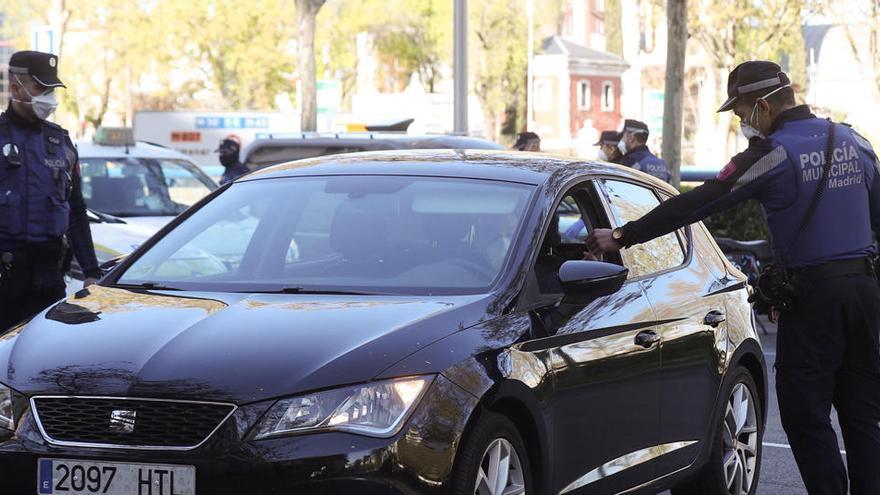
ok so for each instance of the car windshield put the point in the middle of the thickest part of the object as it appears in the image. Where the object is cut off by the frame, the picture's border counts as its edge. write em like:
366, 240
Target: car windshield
127, 187
386, 234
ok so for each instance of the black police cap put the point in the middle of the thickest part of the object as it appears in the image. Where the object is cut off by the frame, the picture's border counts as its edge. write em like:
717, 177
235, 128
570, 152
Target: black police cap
608, 137
228, 145
43, 67
751, 77
631, 125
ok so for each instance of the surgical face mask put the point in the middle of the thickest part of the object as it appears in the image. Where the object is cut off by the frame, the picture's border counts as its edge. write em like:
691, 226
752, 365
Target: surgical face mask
622, 146
602, 155
43, 105
748, 131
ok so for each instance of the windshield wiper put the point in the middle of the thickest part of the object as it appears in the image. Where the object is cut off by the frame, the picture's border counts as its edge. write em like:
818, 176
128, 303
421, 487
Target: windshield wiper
330, 292
145, 285
105, 217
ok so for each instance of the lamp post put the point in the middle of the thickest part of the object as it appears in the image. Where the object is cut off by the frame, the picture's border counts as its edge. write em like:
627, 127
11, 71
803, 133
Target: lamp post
460, 67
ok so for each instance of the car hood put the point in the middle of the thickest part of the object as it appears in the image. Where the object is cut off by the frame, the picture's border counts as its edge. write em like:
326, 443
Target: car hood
235, 347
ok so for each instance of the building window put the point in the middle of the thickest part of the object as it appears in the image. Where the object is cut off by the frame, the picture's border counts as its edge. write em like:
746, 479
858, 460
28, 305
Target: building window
607, 96
543, 96
584, 96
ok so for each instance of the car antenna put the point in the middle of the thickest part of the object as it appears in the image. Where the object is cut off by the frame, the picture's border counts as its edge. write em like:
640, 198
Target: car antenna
125, 124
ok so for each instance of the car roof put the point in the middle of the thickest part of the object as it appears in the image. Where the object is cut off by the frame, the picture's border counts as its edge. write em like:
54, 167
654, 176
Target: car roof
266, 150
511, 166
88, 149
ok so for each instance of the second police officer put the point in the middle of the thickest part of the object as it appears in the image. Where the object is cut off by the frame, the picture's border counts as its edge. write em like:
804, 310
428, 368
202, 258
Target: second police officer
608, 150
41, 202
821, 216
633, 146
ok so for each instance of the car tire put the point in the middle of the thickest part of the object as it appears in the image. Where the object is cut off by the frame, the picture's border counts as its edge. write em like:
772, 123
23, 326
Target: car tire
493, 442
733, 468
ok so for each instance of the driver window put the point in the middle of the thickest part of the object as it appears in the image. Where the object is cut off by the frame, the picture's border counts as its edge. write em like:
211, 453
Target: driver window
563, 241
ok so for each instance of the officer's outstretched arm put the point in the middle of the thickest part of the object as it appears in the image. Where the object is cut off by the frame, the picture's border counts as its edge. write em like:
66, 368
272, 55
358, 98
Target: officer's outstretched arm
743, 178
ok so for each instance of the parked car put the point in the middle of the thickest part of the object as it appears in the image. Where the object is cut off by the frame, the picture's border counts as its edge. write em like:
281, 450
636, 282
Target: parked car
431, 333
132, 189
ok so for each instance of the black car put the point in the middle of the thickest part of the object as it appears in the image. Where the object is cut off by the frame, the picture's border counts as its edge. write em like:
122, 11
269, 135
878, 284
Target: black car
395, 322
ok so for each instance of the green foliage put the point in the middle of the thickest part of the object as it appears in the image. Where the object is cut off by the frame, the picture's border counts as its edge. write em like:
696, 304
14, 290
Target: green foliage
744, 222
613, 28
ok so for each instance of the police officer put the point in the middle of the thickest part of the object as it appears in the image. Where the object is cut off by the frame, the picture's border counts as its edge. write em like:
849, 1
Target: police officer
527, 141
827, 344
636, 153
230, 151
41, 204
608, 150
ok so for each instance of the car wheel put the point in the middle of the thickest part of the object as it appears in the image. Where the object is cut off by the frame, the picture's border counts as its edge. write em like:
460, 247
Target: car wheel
492, 460
735, 462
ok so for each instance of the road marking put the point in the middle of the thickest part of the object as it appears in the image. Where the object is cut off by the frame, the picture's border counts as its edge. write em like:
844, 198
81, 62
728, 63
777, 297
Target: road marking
786, 446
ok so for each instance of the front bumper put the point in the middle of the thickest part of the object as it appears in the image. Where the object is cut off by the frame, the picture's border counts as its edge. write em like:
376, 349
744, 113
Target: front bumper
418, 460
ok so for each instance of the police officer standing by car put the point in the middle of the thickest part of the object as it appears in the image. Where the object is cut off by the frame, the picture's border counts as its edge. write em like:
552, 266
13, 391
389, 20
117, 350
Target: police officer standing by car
819, 184
633, 146
608, 150
42, 211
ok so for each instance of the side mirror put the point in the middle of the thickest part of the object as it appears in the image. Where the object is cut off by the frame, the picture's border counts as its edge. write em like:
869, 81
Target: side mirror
585, 281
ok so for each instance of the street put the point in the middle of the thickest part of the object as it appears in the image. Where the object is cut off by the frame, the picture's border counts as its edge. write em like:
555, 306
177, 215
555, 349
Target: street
779, 474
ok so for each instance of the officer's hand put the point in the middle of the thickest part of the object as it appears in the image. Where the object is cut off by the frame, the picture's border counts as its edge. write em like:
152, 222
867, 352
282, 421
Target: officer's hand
600, 242
89, 281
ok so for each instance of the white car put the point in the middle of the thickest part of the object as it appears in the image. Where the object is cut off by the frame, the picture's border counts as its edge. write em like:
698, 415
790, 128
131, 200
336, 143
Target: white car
132, 189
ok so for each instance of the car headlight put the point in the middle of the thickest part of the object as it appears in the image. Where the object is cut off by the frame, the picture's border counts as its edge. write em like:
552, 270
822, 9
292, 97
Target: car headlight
6, 421
374, 409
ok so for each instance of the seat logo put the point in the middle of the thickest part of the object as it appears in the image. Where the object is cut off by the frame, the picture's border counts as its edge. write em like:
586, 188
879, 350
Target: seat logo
122, 421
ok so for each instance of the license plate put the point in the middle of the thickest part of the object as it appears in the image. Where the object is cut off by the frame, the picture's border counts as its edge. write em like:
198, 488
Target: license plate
73, 477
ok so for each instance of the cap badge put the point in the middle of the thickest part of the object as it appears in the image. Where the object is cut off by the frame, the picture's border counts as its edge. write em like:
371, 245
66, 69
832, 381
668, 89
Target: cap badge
52, 62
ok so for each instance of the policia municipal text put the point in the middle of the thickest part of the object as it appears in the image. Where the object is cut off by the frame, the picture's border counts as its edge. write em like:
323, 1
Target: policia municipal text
41, 202
821, 217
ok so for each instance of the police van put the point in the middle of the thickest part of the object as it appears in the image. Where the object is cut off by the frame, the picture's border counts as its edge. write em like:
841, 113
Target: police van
132, 189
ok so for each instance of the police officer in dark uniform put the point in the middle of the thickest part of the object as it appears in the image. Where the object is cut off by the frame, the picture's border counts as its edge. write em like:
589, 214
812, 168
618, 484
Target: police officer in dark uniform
608, 150
636, 153
827, 346
42, 212
230, 151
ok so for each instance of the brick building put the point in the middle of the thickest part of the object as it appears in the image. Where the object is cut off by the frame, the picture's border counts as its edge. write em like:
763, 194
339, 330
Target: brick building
577, 85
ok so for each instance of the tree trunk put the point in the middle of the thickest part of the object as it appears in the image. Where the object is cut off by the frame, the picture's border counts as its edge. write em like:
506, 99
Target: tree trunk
306, 18
676, 18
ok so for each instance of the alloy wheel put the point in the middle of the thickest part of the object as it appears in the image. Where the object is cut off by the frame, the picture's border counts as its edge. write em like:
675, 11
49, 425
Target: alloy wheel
500, 471
740, 441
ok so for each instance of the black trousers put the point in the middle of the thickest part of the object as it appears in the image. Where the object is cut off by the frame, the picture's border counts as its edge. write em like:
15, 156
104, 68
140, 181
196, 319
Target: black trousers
828, 354
27, 289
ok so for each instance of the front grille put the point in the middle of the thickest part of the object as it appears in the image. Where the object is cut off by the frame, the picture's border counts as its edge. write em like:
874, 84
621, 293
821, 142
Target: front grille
135, 423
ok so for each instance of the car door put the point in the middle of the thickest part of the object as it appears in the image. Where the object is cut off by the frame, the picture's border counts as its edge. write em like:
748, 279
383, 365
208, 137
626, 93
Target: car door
606, 384
688, 298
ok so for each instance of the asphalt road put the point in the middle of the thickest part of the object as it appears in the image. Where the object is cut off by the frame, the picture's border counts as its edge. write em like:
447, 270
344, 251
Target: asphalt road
779, 474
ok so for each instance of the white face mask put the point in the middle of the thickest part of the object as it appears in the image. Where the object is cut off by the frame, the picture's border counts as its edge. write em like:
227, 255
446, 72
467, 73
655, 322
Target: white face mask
602, 155
748, 131
44, 105
622, 146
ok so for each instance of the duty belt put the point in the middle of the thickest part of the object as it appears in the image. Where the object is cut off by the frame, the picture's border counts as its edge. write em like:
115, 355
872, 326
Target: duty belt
839, 268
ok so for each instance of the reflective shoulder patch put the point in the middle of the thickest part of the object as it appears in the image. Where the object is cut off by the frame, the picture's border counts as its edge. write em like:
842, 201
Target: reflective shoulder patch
761, 167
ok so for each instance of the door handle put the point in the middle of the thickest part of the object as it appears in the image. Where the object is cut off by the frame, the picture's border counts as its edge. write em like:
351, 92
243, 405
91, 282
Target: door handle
647, 338
714, 318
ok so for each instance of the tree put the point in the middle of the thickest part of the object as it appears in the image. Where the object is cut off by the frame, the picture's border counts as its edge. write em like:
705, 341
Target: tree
676, 19
306, 15
733, 31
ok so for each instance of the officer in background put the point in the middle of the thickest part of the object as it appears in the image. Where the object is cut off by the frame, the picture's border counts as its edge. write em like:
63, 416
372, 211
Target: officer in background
827, 345
230, 151
41, 202
636, 153
527, 141
608, 150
